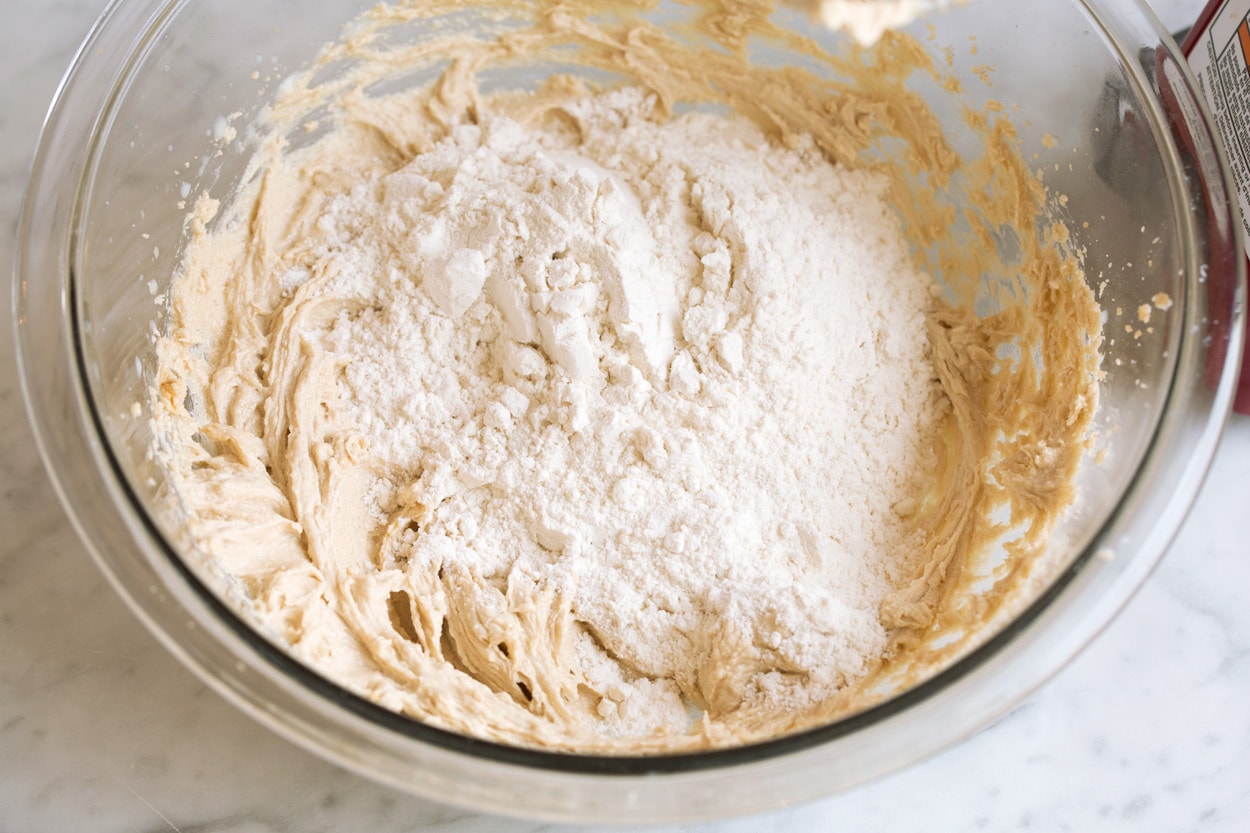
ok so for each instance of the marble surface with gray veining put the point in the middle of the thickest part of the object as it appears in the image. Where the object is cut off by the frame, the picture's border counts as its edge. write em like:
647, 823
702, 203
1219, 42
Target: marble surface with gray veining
102, 730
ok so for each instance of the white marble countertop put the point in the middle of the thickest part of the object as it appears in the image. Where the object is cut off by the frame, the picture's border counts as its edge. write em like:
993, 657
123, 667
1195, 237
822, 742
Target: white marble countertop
102, 730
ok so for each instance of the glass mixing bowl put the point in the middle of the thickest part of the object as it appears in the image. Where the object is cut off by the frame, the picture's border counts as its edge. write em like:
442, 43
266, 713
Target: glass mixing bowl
157, 87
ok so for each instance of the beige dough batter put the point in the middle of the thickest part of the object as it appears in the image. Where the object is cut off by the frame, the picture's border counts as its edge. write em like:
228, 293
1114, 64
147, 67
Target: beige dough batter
330, 542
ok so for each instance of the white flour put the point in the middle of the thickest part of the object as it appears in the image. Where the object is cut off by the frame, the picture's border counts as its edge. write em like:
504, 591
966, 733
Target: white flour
868, 20
673, 369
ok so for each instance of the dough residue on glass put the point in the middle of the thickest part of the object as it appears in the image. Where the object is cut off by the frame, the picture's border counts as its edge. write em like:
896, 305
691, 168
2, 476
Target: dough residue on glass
574, 417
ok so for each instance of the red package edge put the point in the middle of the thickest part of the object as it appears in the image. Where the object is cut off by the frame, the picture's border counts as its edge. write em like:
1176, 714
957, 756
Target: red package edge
1221, 279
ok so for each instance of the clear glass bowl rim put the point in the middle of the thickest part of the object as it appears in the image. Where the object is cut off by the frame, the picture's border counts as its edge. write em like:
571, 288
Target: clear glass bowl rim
356, 733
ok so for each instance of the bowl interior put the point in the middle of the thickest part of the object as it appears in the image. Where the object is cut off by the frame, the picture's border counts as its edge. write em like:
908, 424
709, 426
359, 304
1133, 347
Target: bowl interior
1072, 74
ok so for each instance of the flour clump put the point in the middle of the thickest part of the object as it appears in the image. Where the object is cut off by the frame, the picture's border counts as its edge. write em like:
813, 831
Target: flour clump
668, 371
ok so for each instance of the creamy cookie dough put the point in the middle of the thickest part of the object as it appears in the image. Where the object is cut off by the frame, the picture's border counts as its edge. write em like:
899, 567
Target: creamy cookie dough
542, 415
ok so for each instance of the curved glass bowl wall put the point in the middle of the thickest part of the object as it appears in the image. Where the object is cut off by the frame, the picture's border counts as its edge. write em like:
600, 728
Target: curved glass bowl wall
135, 132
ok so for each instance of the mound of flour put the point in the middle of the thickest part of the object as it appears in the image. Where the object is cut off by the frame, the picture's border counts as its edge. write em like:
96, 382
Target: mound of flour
868, 20
670, 368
